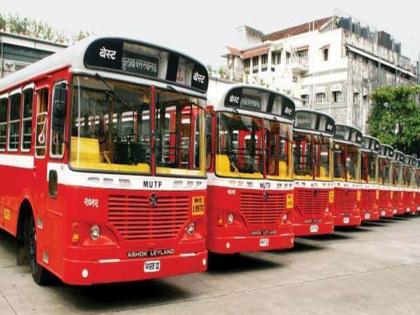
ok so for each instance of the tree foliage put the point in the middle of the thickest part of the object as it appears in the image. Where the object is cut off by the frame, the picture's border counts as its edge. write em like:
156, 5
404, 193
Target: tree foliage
395, 117
37, 29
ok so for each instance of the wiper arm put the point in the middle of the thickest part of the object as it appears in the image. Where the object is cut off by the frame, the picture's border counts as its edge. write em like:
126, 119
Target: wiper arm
110, 89
171, 88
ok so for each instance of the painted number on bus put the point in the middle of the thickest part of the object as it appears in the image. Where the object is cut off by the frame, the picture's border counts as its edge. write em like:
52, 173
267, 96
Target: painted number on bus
7, 214
331, 197
198, 205
91, 202
289, 201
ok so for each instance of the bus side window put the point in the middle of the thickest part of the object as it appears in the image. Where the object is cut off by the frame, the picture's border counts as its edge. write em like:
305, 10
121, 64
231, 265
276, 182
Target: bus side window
58, 119
41, 122
14, 122
3, 124
26, 132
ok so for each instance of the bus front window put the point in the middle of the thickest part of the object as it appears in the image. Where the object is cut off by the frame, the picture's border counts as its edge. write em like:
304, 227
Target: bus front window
239, 145
322, 157
278, 144
384, 171
352, 162
110, 128
302, 152
340, 161
179, 134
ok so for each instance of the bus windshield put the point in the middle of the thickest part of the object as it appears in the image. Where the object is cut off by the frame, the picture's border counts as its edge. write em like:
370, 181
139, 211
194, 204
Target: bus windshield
352, 163
384, 165
278, 148
396, 173
110, 129
369, 160
311, 156
239, 145
340, 161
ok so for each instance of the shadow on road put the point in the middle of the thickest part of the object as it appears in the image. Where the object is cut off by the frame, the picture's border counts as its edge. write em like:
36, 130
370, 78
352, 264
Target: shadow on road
7, 243
238, 263
302, 246
348, 229
327, 237
117, 297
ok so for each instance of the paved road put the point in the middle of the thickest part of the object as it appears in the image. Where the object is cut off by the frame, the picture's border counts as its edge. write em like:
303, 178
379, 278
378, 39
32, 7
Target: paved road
372, 270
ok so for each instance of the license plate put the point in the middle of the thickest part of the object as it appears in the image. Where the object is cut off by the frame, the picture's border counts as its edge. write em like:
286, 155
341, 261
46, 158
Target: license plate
264, 242
314, 228
346, 220
383, 213
408, 209
152, 266
418, 208
394, 211
367, 216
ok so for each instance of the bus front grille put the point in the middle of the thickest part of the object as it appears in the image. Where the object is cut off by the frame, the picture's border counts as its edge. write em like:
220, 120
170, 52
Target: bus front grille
311, 201
260, 207
345, 200
136, 219
367, 201
384, 199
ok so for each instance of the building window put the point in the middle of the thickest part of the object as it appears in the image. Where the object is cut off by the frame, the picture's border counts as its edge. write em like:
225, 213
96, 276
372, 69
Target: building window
275, 58
295, 78
336, 96
247, 65
325, 54
27, 119
14, 121
356, 97
287, 57
264, 62
255, 64
365, 100
302, 56
320, 98
305, 99
3, 123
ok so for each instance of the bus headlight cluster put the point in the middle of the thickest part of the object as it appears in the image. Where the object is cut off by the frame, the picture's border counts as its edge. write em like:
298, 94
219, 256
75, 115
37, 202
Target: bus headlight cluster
190, 229
284, 218
230, 218
95, 232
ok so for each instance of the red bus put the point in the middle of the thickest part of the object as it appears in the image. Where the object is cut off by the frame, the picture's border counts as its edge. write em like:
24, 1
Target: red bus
417, 185
397, 183
103, 144
347, 193
369, 175
408, 183
385, 157
314, 188
250, 187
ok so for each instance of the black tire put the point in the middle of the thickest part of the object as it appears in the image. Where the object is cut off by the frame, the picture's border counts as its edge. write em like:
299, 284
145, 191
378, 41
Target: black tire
40, 275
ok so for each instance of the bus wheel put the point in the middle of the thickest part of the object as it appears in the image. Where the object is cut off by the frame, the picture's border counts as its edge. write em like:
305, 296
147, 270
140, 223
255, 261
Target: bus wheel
40, 275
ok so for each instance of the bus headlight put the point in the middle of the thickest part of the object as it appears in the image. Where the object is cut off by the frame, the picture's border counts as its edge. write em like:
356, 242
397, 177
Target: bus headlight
284, 218
230, 218
190, 229
95, 232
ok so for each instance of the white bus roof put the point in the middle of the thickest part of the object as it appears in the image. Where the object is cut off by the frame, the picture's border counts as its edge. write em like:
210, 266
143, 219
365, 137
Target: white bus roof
219, 91
75, 56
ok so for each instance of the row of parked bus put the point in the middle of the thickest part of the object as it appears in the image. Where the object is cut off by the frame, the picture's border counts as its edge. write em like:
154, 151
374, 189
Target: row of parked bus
116, 166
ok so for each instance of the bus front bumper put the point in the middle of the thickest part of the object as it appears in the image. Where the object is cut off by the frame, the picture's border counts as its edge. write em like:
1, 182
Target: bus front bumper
347, 220
386, 213
369, 215
309, 229
103, 271
239, 244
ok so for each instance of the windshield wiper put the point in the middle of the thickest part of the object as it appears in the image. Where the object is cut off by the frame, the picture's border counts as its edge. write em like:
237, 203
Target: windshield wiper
110, 89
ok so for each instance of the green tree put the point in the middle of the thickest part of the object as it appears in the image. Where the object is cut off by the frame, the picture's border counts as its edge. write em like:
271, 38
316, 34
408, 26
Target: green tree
395, 117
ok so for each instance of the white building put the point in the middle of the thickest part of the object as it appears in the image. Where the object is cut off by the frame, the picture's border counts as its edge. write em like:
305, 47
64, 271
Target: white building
331, 64
17, 51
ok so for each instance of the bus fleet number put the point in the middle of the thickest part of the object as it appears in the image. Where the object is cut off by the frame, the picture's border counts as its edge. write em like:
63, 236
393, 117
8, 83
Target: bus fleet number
91, 202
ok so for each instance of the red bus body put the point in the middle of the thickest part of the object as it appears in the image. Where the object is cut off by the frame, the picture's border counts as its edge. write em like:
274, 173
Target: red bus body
101, 226
369, 209
385, 158
314, 189
248, 210
417, 186
347, 166
409, 184
397, 193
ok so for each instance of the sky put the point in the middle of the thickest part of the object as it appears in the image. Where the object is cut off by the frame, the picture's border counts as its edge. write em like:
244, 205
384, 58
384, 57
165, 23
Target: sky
202, 29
